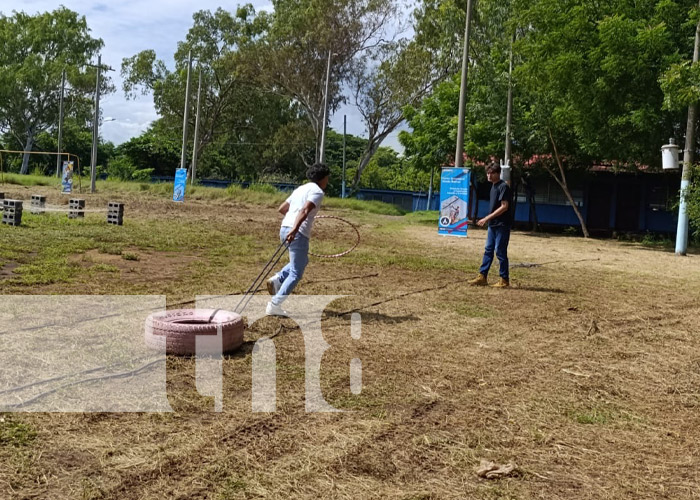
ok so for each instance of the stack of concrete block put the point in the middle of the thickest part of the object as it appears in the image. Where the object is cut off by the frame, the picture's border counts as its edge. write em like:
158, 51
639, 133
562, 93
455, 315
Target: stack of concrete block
12, 212
38, 204
76, 208
115, 213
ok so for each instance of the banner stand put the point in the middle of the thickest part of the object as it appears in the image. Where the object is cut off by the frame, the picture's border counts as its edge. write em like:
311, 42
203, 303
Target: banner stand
454, 201
180, 183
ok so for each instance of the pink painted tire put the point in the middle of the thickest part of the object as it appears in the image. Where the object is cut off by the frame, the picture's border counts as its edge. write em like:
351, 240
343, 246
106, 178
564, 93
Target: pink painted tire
176, 331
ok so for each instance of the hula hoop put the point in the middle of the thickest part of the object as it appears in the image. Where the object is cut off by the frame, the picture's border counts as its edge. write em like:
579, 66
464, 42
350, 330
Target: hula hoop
341, 254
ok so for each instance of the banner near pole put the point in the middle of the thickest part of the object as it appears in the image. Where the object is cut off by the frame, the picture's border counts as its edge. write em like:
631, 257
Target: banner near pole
454, 201
67, 177
180, 182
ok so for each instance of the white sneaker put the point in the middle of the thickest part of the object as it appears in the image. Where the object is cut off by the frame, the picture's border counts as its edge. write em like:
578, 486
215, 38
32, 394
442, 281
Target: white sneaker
274, 285
273, 310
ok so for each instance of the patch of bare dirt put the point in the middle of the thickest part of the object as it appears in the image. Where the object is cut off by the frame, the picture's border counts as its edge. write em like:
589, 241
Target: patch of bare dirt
138, 266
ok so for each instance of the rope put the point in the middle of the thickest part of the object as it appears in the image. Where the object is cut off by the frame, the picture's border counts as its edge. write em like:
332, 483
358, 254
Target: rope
60, 209
341, 254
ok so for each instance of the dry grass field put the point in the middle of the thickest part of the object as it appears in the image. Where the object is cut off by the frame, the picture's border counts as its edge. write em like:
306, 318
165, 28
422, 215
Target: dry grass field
585, 375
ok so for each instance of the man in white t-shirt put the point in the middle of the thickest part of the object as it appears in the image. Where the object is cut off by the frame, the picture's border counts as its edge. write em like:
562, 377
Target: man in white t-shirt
299, 211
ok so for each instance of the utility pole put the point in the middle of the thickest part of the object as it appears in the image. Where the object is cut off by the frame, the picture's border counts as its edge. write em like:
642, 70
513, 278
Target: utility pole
509, 118
196, 130
688, 158
345, 131
430, 188
183, 155
96, 123
60, 124
459, 154
322, 153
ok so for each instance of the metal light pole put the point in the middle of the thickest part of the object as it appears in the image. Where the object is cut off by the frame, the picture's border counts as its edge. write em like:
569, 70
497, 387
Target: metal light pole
430, 188
345, 131
183, 154
196, 130
95, 125
509, 118
322, 152
688, 158
60, 124
459, 154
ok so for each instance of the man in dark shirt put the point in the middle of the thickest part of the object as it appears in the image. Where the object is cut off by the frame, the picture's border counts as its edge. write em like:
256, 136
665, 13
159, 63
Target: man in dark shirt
499, 228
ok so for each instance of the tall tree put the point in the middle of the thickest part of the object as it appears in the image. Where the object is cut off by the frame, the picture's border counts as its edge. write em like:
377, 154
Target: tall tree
238, 119
293, 58
35, 51
384, 83
591, 73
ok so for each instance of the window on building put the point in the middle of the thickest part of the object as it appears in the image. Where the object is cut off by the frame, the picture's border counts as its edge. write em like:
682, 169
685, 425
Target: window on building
550, 193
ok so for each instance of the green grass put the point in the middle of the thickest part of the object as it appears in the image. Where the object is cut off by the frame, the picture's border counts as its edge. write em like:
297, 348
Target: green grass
473, 310
256, 194
15, 433
601, 415
373, 207
426, 218
29, 180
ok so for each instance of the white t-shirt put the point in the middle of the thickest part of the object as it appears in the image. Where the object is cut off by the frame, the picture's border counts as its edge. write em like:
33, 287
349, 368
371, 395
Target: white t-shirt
308, 192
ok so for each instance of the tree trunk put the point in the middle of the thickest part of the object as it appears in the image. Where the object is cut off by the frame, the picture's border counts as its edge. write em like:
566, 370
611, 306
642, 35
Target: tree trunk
27, 147
562, 183
372, 147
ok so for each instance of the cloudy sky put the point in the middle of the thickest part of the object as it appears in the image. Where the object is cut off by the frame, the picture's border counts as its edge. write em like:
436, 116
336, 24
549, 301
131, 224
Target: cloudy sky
130, 26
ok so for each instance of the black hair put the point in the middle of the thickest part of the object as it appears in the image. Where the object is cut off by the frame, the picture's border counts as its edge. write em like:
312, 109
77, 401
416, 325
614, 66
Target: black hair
317, 172
494, 168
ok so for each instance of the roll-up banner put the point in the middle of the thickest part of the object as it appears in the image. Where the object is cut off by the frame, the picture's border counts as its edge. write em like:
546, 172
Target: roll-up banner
454, 201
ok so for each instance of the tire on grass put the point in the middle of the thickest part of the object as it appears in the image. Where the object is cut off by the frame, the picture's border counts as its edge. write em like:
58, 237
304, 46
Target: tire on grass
176, 331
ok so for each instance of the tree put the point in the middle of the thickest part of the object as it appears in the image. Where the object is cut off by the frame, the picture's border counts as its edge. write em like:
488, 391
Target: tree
35, 51
77, 140
395, 76
591, 72
243, 129
292, 59
433, 123
586, 84
157, 148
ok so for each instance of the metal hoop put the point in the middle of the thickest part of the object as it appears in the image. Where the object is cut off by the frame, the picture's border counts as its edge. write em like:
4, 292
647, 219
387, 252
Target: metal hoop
341, 254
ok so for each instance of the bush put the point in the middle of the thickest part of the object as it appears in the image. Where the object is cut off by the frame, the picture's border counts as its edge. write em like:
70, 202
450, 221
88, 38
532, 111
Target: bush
142, 175
263, 188
692, 198
120, 168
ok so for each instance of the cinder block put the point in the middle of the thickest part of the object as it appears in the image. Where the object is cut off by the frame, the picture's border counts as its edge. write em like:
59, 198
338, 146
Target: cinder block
12, 203
38, 204
74, 206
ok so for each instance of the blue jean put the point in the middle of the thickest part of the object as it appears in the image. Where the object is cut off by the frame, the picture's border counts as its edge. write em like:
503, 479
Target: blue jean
290, 274
496, 238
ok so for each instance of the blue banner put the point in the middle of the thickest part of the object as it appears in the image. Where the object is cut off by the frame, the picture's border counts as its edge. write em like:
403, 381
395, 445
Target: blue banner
454, 202
180, 183
67, 177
